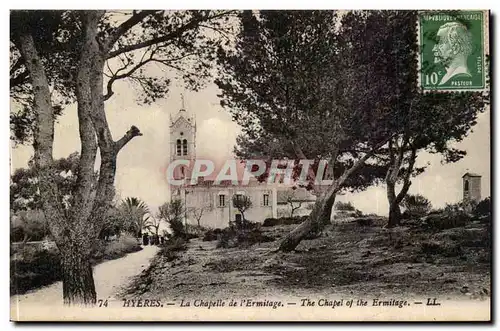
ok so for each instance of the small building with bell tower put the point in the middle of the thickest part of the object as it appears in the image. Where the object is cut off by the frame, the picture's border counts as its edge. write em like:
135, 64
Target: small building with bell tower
471, 186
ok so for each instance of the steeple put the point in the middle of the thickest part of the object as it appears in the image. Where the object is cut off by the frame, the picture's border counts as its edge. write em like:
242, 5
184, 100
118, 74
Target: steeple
183, 106
182, 134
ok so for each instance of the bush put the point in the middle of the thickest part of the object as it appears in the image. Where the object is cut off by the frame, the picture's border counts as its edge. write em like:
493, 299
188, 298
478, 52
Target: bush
345, 206
365, 221
110, 250
416, 206
284, 220
171, 247
29, 224
195, 231
175, 245
178, 229
212, 234
452, 216
483, 208
245, 234
34, 269
446, 249
125, 244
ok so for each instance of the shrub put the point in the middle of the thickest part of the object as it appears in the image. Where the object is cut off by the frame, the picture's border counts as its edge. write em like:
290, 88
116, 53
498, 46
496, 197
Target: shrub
171, 247
452, 216
212, 234
110, 250
416, 206
345, 206
365, 221
125, 244
34, 269
175, 244
284, 221
195, 230
245, 235
29, 225
445, 249
483, 208
178, 229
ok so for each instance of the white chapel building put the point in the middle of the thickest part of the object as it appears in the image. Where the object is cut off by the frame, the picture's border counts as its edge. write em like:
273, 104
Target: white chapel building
216, 200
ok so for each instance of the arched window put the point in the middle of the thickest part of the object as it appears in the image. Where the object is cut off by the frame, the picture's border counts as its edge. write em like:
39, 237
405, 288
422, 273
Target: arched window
179, 147
184, 147
466, 185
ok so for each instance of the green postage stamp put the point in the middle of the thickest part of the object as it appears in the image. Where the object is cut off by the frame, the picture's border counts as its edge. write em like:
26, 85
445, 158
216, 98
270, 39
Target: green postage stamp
453, 48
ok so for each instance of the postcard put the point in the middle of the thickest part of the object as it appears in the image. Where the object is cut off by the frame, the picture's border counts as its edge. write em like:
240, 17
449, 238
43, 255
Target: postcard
250, 165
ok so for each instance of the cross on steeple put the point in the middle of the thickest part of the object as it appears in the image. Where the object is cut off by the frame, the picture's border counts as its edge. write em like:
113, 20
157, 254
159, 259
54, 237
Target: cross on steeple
183, 107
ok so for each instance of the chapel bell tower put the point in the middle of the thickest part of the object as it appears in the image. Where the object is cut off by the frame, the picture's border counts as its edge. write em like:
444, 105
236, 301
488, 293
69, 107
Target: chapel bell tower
182, 137
471, 186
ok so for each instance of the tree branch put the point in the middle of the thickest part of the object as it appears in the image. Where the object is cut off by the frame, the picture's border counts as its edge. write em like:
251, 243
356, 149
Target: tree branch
131, 133
357, 165
407, 182
109, 85
126, 26
174, 34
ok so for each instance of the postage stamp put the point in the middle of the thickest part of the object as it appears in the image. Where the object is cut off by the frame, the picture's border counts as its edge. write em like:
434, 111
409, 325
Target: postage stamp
452, 50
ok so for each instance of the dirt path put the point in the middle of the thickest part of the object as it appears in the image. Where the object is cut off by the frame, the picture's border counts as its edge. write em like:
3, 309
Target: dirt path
109, 278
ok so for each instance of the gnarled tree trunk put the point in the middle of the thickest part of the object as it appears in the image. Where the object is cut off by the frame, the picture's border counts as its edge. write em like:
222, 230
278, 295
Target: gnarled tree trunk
394, 210
76, 230
392, 177
319, 217
78, 281
322, 210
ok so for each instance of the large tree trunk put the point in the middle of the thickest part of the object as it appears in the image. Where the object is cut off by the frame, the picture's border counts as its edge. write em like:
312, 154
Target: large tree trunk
78, 281
391, 178
394, 210
322, 210
319, 217
76, 230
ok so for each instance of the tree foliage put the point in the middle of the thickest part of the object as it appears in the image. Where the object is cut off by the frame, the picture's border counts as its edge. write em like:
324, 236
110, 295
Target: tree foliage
29, 225
416, 205
181, 45
137, 213
173, 212
318, 86
24, 190
242, 203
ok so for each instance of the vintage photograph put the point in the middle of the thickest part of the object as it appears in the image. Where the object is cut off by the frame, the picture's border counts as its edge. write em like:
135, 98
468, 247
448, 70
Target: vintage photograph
250, 165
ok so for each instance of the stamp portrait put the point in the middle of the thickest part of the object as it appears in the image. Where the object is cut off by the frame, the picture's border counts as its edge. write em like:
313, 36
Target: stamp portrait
452, 50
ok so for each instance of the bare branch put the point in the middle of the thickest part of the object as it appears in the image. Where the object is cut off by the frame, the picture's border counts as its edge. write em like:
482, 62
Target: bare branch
131, 133
126, 26
109, 86
223, 34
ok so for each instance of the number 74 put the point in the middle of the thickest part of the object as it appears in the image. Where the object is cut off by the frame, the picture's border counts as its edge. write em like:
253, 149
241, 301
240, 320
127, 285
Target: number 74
102, 303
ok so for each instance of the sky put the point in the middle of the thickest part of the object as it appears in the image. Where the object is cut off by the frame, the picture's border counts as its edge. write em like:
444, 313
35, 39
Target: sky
140, 163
